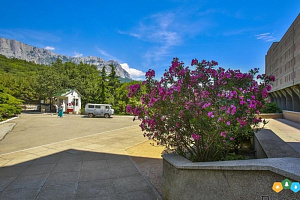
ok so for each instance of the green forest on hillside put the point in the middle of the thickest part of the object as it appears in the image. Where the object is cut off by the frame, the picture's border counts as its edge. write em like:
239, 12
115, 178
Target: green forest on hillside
27, 82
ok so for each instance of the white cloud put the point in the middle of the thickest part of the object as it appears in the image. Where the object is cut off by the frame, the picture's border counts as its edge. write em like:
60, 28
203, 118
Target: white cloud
76, 55
159, 30
268, 37
134, 73
238, 31
165, 31
130, 33
106, 55
50, 48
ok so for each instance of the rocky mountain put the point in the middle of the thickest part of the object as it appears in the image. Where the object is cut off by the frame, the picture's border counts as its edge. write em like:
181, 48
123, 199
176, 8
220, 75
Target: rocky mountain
16, 49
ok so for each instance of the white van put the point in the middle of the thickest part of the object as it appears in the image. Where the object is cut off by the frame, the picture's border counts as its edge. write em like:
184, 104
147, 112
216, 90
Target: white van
93, 110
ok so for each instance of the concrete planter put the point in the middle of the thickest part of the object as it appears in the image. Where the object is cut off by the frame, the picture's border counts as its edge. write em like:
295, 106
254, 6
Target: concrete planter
270, 115
232, 180
291, 115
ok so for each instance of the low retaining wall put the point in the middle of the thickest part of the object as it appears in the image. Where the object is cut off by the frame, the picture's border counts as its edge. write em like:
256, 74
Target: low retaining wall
232, 180
29, 107
270, 115
291, 115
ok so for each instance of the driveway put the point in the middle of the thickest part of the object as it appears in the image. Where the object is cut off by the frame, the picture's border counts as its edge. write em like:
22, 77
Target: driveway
46, 157
34, 130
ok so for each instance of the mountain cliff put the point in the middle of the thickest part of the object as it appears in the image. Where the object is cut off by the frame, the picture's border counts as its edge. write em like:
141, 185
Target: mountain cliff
16, 49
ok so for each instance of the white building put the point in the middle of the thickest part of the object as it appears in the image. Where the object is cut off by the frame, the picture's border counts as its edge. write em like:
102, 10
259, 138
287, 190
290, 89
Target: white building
70, 100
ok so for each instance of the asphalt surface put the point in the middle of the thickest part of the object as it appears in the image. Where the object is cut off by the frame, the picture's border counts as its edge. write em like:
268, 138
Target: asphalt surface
32, 130
47, 157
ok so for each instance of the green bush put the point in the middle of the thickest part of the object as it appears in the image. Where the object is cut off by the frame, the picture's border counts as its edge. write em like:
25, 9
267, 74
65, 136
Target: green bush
202, 114
9, 105
82, 111
271, 108
7, 110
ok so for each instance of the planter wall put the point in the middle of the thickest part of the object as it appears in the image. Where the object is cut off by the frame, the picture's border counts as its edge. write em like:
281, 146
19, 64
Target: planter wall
232, 180
291, 115
270, 115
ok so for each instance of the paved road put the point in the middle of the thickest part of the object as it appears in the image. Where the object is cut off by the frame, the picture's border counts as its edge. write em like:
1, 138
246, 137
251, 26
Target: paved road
34, 130
46, 157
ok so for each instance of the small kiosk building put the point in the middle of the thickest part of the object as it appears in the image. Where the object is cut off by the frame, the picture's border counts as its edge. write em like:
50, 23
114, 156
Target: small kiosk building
70, 100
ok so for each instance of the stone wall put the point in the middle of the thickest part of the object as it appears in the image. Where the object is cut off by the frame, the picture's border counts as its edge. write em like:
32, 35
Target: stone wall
283, 61
227, 180
290, 115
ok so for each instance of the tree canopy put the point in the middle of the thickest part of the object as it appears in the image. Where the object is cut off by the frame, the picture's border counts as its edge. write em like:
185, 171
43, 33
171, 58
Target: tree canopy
28, 82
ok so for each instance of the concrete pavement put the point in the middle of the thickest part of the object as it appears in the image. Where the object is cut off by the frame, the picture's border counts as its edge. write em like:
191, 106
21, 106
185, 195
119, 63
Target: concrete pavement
95, 159
90, 166
288, 131
34, 130
6, 128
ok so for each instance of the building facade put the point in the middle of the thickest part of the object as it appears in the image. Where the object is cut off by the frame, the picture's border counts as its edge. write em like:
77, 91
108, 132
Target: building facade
283, 61
70, 101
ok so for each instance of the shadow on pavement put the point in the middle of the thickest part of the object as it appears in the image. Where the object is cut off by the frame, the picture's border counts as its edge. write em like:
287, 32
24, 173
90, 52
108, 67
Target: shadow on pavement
76, 174
289, 123
293, 135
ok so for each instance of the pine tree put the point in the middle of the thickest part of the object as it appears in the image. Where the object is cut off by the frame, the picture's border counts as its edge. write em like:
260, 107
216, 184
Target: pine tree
103, 86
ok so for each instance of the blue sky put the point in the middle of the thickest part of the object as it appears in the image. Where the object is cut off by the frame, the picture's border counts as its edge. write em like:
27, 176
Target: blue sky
144, 34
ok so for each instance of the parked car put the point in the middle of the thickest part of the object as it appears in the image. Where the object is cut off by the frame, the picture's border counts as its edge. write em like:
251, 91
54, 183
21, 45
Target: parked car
103, 110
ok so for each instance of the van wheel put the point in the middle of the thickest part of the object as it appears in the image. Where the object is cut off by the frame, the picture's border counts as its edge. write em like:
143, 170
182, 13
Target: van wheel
90, 115
106, 115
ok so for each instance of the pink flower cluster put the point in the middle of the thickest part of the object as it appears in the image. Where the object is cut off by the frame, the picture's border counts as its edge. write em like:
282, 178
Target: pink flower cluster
210, 103
150, 74
195, 136
133, 89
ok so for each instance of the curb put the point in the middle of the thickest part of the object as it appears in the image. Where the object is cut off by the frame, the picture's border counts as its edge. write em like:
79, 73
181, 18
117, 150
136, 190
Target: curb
158, 196
5, 129
9, 120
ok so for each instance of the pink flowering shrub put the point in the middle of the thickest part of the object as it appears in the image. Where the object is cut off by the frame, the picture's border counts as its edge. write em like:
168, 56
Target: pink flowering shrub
200, 113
